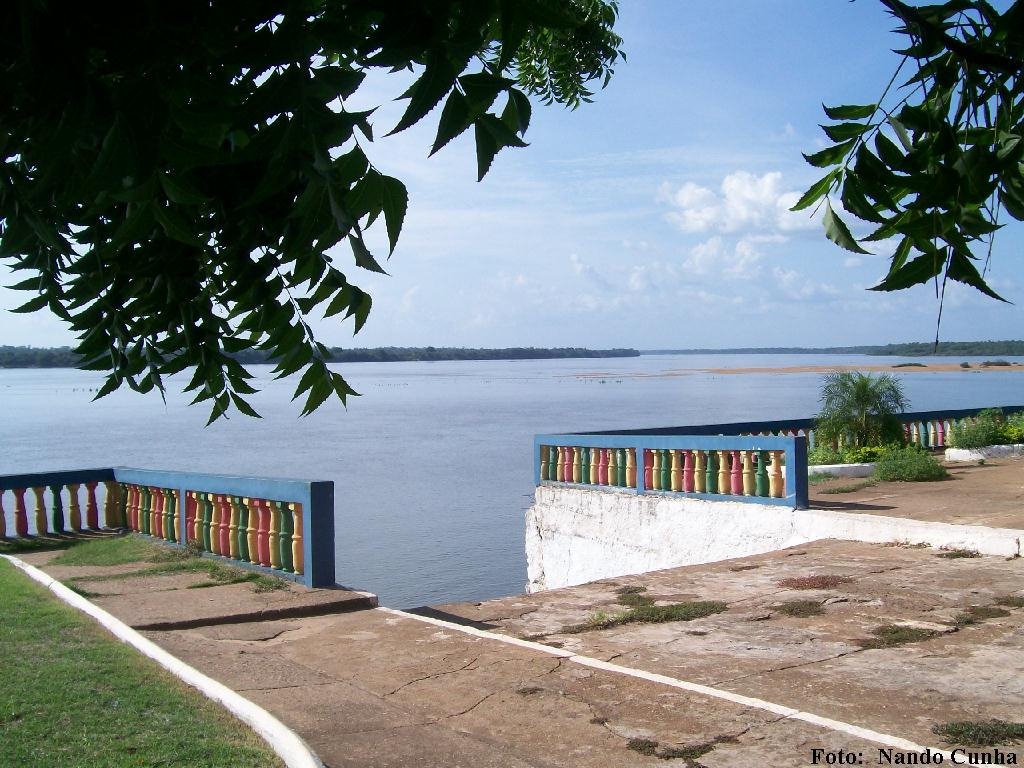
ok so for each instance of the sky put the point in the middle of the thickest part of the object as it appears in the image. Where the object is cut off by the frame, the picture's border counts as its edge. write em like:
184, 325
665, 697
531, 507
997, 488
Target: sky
657, 216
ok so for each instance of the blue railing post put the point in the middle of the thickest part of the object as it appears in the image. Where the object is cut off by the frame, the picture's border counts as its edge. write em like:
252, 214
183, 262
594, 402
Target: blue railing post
796, 472
318, 516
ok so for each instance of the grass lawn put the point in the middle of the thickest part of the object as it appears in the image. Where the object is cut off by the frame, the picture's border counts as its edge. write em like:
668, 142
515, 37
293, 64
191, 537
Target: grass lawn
73, 696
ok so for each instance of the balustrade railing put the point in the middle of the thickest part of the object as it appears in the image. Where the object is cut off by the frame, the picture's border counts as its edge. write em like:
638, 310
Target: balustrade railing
930, 429
750, 468
285, 526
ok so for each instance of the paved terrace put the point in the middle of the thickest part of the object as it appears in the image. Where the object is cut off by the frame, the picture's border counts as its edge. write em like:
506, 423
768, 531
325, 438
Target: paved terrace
372, 687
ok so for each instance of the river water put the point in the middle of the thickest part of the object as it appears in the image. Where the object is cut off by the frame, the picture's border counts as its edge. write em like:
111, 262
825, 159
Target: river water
433, 464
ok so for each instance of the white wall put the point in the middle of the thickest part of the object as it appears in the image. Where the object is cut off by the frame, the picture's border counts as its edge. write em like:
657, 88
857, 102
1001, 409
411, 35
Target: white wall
574, 535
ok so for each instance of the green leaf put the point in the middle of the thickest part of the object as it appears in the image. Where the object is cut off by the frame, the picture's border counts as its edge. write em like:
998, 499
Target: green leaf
437, 79
244, 407
850, 111
963, 271
454, 120
844, 131
919, 270
818, 190
395, 202
856, 203
838, 232
830, 155
33, 305
363, 256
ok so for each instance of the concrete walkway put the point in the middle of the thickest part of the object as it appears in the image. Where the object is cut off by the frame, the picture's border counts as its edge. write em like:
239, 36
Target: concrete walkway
378, 688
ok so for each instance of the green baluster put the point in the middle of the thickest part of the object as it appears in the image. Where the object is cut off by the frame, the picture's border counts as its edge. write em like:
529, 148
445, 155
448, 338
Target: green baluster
761, 476
620, 469
285, 538
56, 510
145, 510
666, 470
170, 508
204, 499
585, 466
552, 462
711, 473
243, 530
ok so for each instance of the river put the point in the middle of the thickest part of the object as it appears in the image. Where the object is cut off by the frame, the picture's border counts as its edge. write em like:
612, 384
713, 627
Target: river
432, 465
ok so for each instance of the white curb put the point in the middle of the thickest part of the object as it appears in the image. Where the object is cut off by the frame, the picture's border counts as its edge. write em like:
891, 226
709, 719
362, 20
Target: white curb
285, 742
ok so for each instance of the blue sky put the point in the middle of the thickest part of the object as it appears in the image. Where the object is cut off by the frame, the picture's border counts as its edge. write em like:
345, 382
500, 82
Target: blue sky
656, 216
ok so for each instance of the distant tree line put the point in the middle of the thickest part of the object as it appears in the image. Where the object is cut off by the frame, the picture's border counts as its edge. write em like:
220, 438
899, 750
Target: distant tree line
907, 349
64, 357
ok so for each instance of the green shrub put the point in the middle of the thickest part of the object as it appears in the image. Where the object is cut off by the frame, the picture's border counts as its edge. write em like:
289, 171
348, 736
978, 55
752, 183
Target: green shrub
824, 454
1013, 429
863, 455
965, 365
910, 464
984, 429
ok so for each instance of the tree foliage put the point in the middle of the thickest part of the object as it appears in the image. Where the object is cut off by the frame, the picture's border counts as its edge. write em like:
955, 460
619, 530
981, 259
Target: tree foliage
860, 407
938, 160
177, 178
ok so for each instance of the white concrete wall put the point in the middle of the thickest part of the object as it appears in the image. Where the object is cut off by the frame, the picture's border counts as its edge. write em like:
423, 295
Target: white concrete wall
988, 452
574, 536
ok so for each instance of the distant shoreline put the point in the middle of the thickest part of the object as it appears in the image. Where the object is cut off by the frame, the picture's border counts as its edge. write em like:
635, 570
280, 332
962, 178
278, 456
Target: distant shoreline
1011, 347
64, 357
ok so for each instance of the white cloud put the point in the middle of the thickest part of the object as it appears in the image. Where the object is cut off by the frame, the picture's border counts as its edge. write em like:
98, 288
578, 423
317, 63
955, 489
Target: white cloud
795, 285
739, 261
408, 299
852, 261
745, 202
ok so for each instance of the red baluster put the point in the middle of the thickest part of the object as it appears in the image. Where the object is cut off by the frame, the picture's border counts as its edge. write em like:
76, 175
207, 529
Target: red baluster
225, 525
736, 474
190, 516
158, 512
602, 468
20, 513
648, 468
688, 471
263, 532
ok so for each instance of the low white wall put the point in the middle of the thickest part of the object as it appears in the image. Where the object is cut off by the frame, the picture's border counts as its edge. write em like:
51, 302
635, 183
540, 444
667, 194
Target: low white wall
574, 535
988, 452
842, 470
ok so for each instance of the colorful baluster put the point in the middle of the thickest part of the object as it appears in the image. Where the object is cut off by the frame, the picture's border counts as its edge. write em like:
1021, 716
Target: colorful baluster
74, 510
92, 512
567, 458
602, 466
676, 471
552, 463
243, 529
656, 471
749, 486
648, 469
736, 474
56, 509
156, 502
577, 468
595, 466
613, 467
906, 433
275, 534
190, 516
700, 477
941, 434
543, 462
40, 512
621, 467
711, 473
252, 531
20, 513
225, 525
232, 526
298, 554
285, 539
560, 466
174, 515
688, 471
631, 467
723, 472
263, 532
666, 470
776, 487
207, 516
761, 476
585, 465
112, 509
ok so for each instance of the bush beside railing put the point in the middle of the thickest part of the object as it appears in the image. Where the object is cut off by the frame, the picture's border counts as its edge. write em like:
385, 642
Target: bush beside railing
284, 526
752, 468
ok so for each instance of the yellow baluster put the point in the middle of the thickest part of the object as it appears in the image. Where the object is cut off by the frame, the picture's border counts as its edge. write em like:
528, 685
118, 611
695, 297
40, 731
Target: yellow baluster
560, 464
275, 534
176, 516
656, 470
699, 472
724, 480
613, 467
215, 525
577, 465
233, 527
748, 473
544, 462
40, 511
74, 510
677, 471
595, 456
631, 468
251, 531
776, 487
298, 553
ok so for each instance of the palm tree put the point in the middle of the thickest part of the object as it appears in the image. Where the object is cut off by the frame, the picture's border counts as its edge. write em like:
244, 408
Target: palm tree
861, 407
